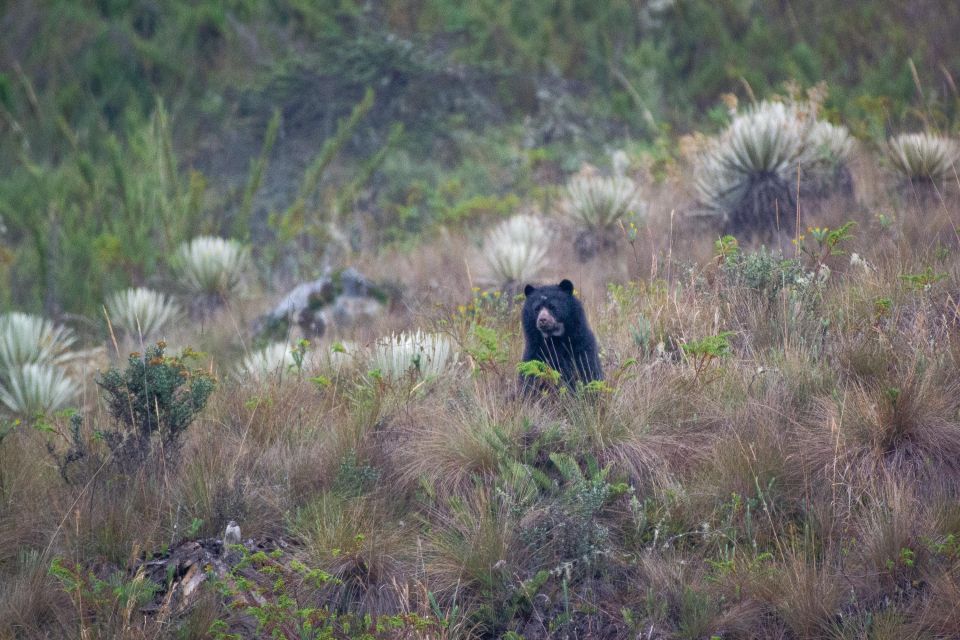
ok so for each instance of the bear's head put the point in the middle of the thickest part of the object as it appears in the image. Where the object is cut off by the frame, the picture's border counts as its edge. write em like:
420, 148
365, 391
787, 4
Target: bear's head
549, 308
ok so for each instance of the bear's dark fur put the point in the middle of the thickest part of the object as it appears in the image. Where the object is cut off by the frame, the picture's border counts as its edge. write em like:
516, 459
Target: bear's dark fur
556, 331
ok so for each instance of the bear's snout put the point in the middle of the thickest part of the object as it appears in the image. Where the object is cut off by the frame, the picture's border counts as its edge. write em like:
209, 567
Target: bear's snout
547, 324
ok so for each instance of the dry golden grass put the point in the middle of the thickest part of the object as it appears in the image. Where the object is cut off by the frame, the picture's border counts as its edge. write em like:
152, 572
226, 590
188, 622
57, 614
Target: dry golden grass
802, 485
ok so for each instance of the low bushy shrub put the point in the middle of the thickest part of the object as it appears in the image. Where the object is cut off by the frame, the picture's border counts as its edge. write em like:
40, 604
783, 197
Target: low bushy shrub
155, 397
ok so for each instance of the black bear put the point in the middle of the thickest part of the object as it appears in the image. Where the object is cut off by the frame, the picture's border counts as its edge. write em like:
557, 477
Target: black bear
557, 333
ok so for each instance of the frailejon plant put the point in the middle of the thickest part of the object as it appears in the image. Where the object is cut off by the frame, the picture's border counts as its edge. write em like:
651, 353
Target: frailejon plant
597, 205
26, 338
36, 388
516, 250
156, 396
598, 202
141, 312
745, 173
212, 268
273, 360
923, 157
426, 355
31, 347
829, 148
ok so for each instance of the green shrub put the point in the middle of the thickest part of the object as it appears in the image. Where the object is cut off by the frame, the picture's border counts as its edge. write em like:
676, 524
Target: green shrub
156, 396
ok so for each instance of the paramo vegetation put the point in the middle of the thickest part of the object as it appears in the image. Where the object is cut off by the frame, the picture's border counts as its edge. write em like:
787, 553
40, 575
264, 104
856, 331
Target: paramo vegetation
759, 205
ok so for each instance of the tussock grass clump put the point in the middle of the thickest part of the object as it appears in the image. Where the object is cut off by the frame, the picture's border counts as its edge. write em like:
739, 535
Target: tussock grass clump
472, 545
905, 423
923, 157
632, 428
516, 250
141, 312
362, 545
447, 448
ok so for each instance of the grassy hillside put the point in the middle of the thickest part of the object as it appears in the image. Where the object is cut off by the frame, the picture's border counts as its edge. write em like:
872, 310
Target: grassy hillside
775, 449
773, 454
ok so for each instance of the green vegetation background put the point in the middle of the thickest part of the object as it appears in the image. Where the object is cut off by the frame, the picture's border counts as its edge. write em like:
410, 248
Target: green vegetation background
127, 126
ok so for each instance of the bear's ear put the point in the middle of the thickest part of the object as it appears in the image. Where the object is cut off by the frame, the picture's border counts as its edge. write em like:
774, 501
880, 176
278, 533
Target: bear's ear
527, 290
566, 285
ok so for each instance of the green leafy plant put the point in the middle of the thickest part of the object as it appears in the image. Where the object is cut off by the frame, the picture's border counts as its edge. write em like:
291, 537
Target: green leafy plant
727, 248
540, 371
701, 353
486, 348
283, 596
826, 242
156, 396
924, 280
104, 606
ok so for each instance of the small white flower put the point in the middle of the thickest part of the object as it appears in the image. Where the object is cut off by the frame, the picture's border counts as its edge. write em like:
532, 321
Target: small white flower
859, 263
